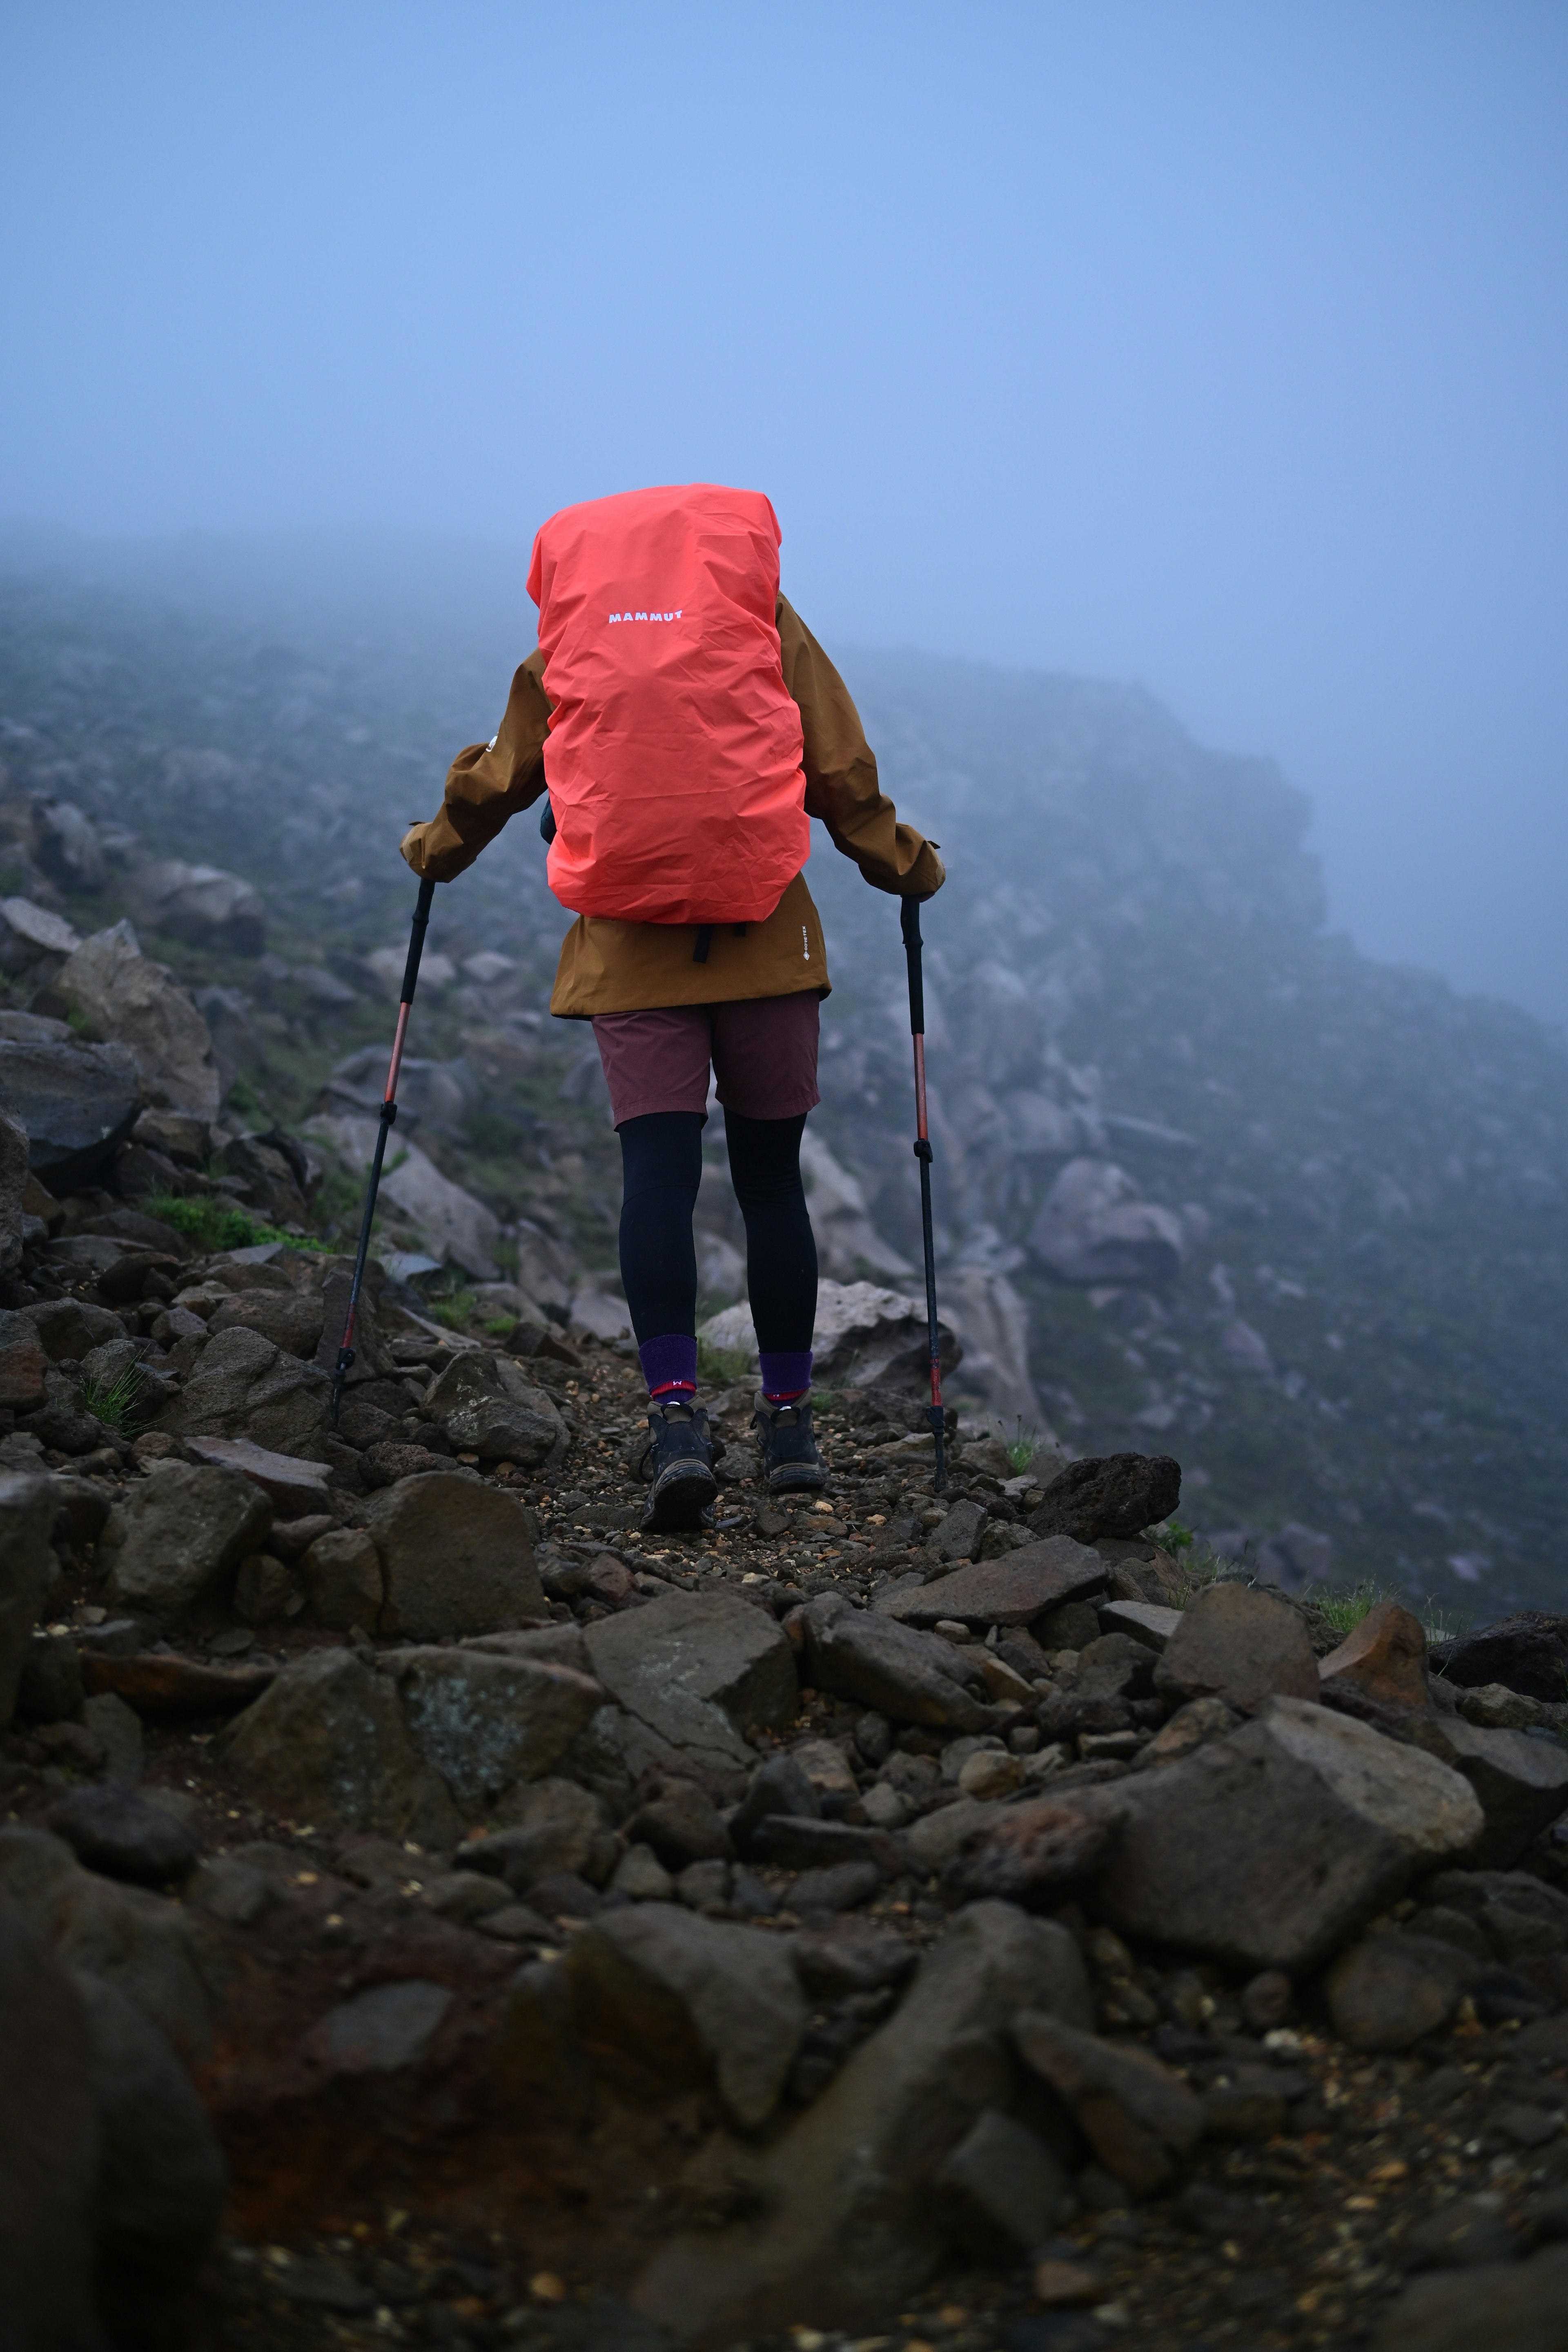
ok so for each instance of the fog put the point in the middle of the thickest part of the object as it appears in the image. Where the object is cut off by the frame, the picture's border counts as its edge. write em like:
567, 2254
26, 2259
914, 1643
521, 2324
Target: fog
1218, 348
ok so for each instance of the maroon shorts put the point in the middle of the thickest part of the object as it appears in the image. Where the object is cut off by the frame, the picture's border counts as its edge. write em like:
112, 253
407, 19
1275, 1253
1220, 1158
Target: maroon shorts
762, 1051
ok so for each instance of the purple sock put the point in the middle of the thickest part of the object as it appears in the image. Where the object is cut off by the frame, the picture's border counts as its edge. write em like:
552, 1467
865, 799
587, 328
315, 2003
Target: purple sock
785, 1377
670, 1368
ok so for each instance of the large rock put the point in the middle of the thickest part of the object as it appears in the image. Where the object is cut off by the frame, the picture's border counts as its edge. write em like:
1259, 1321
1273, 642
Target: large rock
484, 1721
152, 1950
1528, 1652
1094, 1226
161, 2181
200, 904
1012, 1590
848, 2225
243, 1386
694, 1673
186, 1527
1520, 1778
909, 1677
291, 1320
1033, 1852
31, 938
329, 1743
671, 2002
1379, 1671
864, 1336
1237, 1644
296, 1489
1522, 2305
488, 1406
78, 1102
1269, 1849
132, 1002
50, 2148
450, 1223
28, 1507
457, 1557
1140, 2118
1109, 1495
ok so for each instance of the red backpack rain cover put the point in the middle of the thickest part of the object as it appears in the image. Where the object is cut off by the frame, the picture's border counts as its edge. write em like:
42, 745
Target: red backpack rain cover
674, 755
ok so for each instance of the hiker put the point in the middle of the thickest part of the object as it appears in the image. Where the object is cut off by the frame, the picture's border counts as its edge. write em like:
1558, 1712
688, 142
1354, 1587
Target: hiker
687, 727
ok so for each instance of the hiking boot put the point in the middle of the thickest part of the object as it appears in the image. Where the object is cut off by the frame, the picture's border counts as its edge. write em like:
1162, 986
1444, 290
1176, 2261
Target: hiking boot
678, 1458
791, 1463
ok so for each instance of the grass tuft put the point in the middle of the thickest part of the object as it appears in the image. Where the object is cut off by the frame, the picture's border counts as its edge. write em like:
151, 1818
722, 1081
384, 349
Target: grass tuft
115, 1402
719, 1368
455, 1309
212, 1223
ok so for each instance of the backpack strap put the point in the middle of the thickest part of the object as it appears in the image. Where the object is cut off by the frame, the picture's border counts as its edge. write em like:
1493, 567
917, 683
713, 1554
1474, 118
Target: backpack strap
703, 942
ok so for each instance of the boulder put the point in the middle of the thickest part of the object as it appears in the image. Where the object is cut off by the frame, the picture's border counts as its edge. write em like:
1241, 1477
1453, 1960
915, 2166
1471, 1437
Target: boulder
1111, 1494
78, 1103
68, 1330
694, 1673
1094, 1226
847, 2226
187, 1527
1269, 1848
864, 1336
488, 1406
909, 1677
243, 1386
1379, 1671
1528, 1652
161, 2181
133, 1003
31, 937
449, 1222
1520, 1778
671, 2001
1390, 1991
1140, 2120
1012, 1590
199, 904
485, 1721
457, 1557
1237, 1644
329, 1743
51, 2147
291, 1320
28, 1507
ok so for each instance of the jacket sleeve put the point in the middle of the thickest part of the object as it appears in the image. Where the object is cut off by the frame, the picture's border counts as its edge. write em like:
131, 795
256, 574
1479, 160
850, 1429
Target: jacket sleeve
841, 785
486, 784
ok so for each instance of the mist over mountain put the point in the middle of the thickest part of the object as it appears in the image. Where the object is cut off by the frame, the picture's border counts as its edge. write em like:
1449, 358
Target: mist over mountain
1209, 1183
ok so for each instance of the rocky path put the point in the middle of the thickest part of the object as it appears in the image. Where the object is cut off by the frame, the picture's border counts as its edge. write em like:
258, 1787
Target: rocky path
898, 1919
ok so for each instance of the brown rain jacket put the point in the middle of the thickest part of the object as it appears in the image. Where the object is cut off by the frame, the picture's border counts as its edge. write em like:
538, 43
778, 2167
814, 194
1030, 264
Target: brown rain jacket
610, 967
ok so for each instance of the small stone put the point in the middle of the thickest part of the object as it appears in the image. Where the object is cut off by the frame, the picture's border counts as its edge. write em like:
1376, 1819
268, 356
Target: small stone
842, 1886
116, 1730
185, 1526
1140, 2118
703, 1885
1526, 2125
1390, 1991
379, 2031
1033, 1851
342, 1575
682, 1825
1001, 2187
114, 1830
958, 1536
1458, 2236
1268, 2001
263, 1589
642, 1876
990, 1774
884, 1808
1061, 2285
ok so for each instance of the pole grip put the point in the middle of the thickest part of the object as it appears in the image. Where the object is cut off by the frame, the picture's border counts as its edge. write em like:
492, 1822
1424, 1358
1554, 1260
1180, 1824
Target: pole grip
910, 923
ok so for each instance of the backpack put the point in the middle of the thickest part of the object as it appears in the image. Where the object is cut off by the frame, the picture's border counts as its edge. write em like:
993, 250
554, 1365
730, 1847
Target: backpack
674, 755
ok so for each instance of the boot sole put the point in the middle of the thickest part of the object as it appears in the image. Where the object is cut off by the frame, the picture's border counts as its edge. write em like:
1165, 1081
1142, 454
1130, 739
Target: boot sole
795, 1477
679, 1498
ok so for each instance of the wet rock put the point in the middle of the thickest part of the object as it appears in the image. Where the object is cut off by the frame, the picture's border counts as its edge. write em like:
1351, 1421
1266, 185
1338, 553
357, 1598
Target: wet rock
1114, 1495
1034, 1851
291, 1319
489, 1407
1269, 1848
845, 2194
457, 1557
342, 1575
328, 1743
186, 1527
50, 2146
1238, 1644
1521, 2305
161, 2181
1003, 2188
78, 1103
1528, 1652
485, 1721
669, 2001
1094, 1226
28, 1507
243, 1386
1138, 2117
1012, 1590
200, 904
1390, 1991
695, 1673
131, 1002
380, 2032
113, 1831
907, 1675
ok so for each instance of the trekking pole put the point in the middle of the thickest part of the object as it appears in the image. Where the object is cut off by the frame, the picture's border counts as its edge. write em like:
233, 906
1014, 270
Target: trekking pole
909, 920
388, 1114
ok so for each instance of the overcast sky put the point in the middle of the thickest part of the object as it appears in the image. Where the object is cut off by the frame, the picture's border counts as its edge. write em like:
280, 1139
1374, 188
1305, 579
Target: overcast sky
1221, 348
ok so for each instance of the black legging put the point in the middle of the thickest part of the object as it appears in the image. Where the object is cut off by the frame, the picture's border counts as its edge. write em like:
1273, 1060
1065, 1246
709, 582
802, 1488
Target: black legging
661, 1157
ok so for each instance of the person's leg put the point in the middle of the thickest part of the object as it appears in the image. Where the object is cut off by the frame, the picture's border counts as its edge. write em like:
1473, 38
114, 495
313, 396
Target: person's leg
781, 1248
661, 1163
